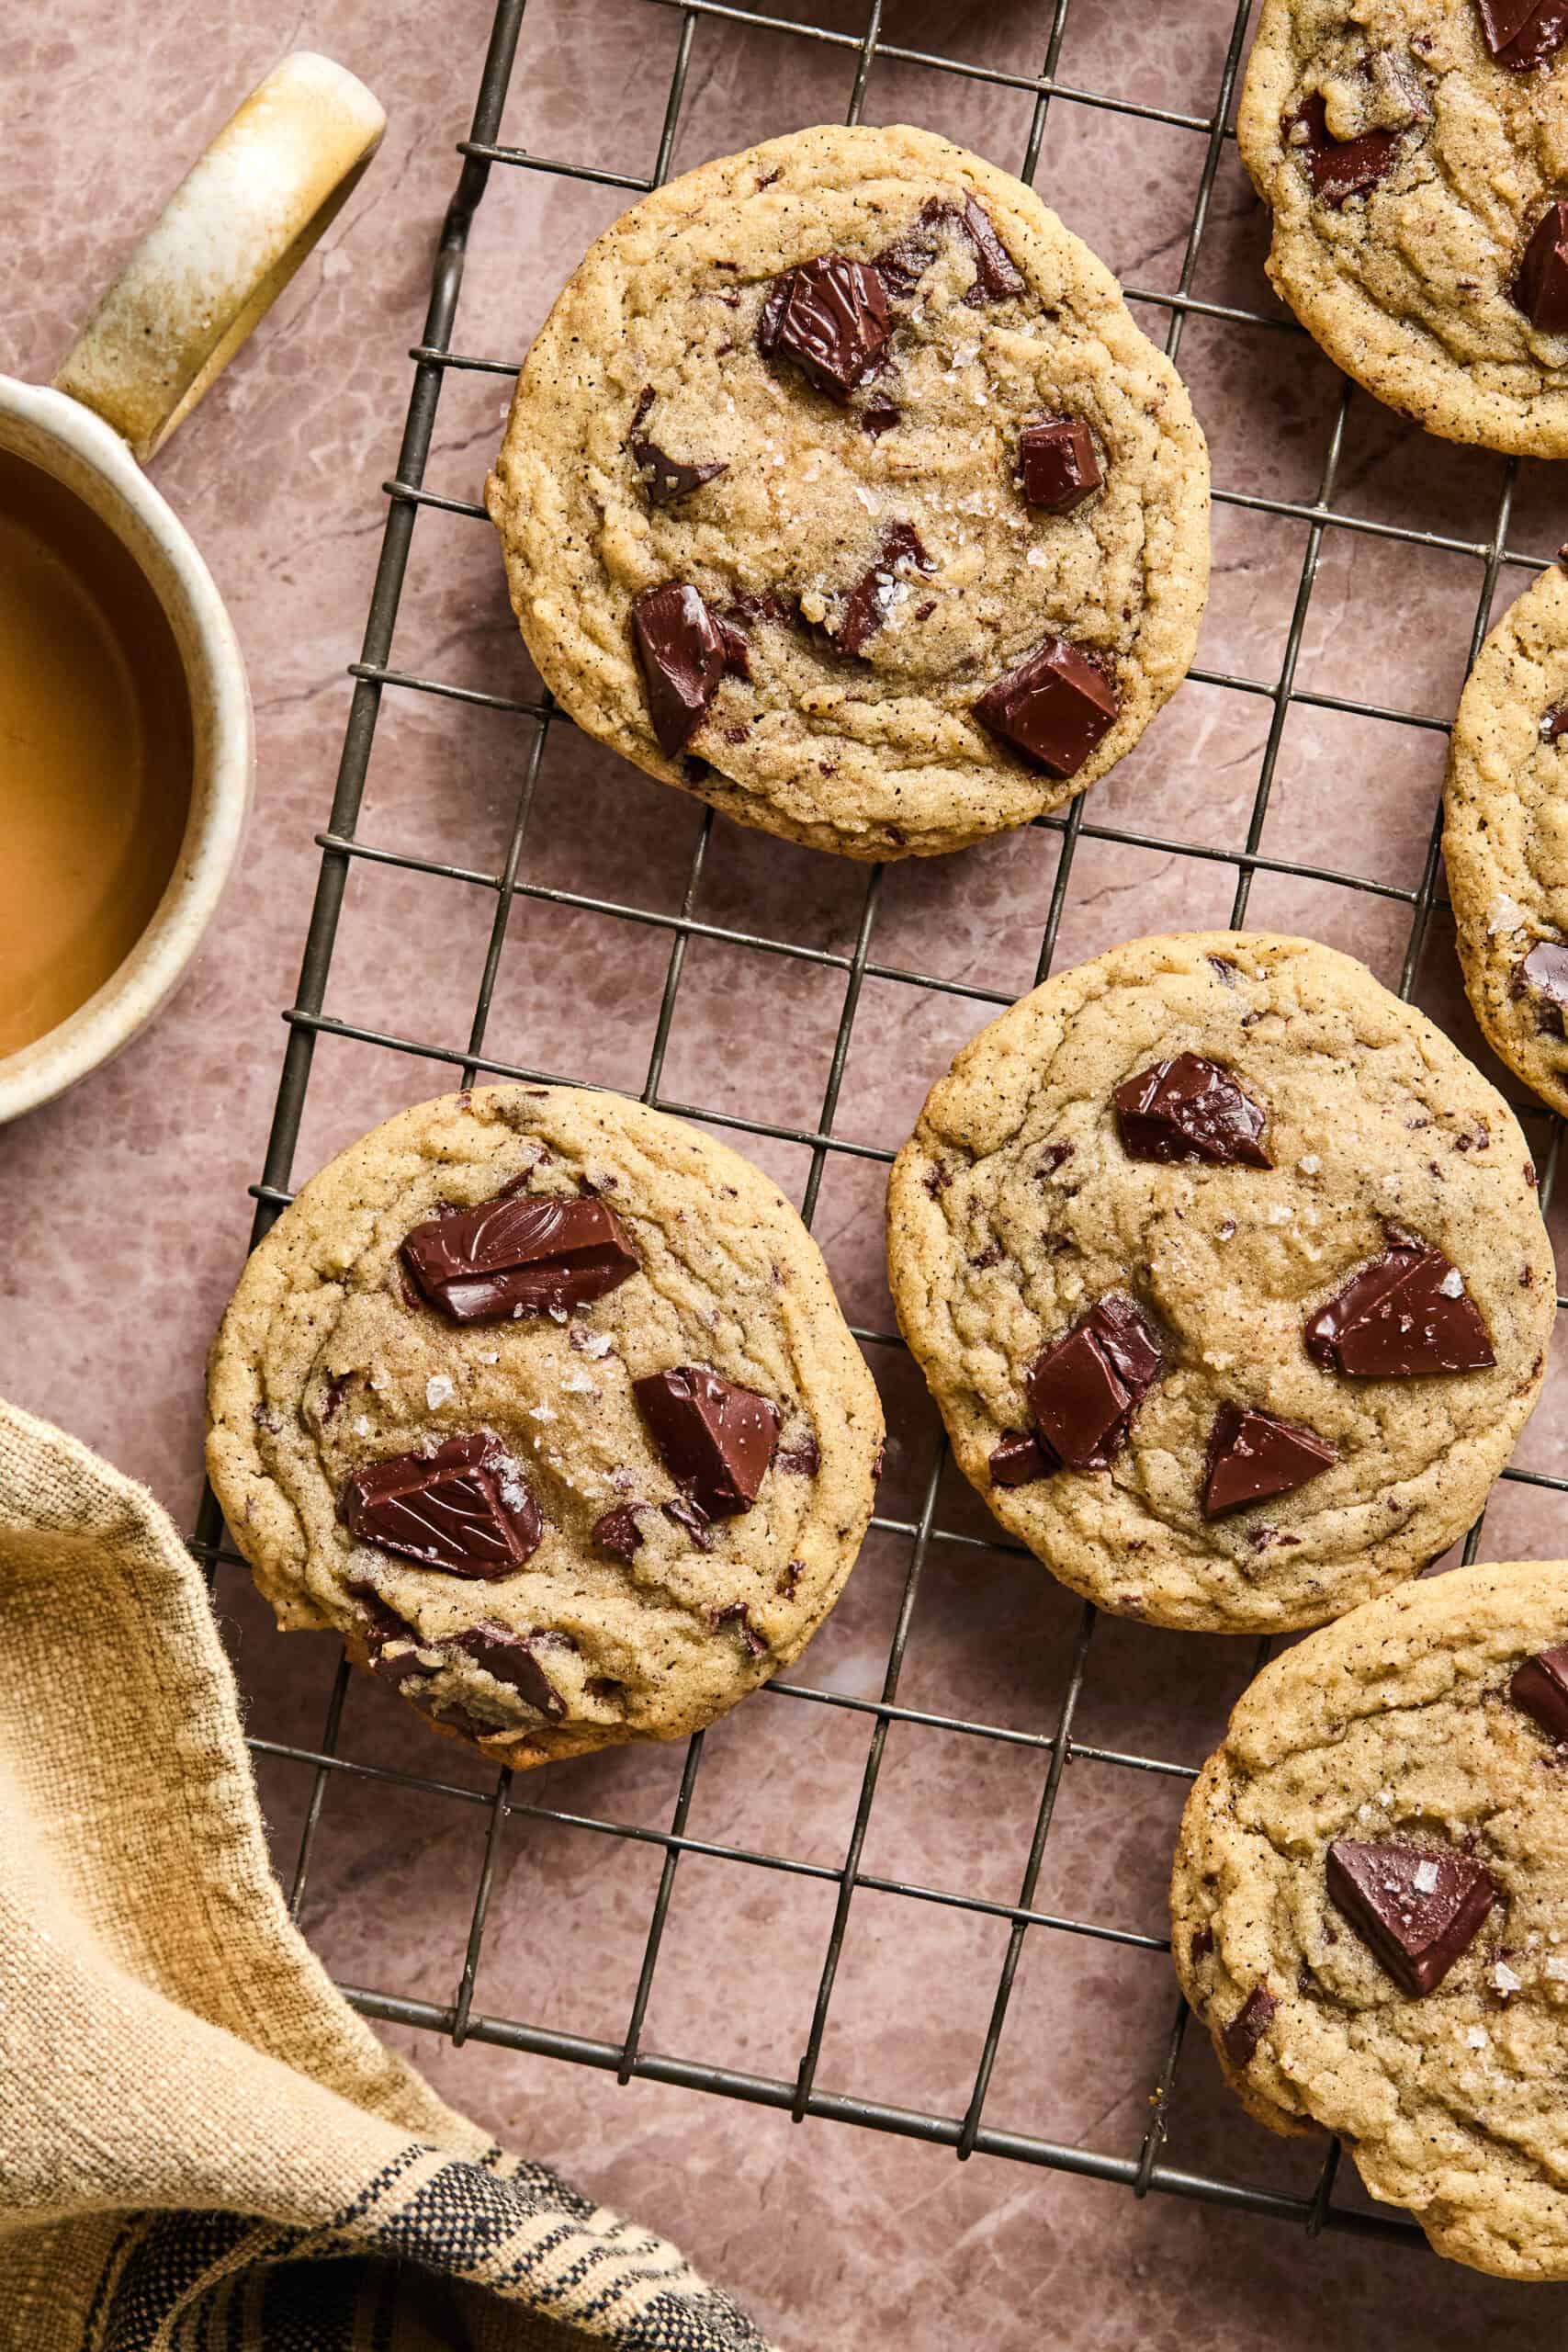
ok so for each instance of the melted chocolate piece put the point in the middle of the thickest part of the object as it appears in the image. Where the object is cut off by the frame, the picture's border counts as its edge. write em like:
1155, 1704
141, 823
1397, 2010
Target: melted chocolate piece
513, 1658
463, 1509
1053, 707
830, 317
1018, 1460
880, 415
682, 656
1416, 1908
1341, 167
617, 1532
1522, 34
1543, 975
1085, 1388
715, 1438
1190, 1108
1406, 1314
664, 478
802, 1459
1541, 1687
1541, 289
1248, 2026
871, 597
1253, 1455
519, 1251
905, 261
381, 1625
1554, 724
1057, 464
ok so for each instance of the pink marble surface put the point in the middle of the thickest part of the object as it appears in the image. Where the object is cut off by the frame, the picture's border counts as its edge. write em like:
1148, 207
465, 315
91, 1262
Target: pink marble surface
125, 1212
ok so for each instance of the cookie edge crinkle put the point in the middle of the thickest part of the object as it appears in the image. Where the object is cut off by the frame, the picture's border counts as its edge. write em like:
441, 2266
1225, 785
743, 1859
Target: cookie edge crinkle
264, 1524
1495, 729
1393, 362
571, 661
967, 1112
1303, 1700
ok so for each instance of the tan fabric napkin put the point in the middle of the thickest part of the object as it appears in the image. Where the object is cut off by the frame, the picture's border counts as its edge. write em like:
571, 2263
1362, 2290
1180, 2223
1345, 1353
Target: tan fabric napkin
202, 2148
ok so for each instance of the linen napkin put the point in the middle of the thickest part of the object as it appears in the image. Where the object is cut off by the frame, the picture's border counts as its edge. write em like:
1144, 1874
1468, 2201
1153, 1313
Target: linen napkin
202, 2148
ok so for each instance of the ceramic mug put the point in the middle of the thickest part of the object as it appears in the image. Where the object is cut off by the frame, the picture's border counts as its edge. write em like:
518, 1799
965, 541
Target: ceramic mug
231, 238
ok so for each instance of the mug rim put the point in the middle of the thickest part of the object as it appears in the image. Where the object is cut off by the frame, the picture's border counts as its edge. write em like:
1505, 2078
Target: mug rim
105, 475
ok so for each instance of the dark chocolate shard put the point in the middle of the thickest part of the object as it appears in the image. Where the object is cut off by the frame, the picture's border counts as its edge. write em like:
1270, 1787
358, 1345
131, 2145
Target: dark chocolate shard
1416, 1908
464, 1509
1248, 2026
715, 1438
664, 478
905, 261
830, 317
876, 591
681, 1511
1191, 1108
1085, 1388
802, 1459
1253, 1455
617, 1532
1057, 468
1541, 1687
1339, 168
735, 1614
683, 656
1543, 976
1522, 34
880, 415
1054, 707
1554, 724
519, 1252
1018, 1460
1541, 289
1405, 1316
516, 1660
996, 276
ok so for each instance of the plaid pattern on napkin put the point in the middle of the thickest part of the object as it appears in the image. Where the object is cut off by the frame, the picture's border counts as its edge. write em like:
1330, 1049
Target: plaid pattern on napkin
202, 2148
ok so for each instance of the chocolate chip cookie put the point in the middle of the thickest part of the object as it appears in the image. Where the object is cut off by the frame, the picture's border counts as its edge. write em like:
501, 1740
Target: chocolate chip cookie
1415, 156
1227, 1271
841, 489
1370, 1905
544, 1401
1506, 836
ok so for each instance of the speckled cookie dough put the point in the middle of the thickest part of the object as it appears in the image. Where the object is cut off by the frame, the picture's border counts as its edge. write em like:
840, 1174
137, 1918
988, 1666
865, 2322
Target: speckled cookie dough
1227, 1271
1415, 156
1506, 837
841, 489
1370, 1905
544, 1401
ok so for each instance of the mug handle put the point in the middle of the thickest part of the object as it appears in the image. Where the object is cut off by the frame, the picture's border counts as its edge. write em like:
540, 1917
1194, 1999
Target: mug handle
227, 243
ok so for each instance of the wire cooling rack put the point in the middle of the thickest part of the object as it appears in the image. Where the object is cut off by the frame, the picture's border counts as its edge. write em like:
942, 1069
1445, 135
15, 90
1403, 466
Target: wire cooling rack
965, 2130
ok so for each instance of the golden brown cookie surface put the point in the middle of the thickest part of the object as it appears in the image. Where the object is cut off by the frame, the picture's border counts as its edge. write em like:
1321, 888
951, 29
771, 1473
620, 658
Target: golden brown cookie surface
1416, 171
545, 1402
1227, 1271
822, 447
1370, 1905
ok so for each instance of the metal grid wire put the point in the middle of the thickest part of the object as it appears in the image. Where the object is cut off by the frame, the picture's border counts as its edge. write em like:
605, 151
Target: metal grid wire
433, 358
